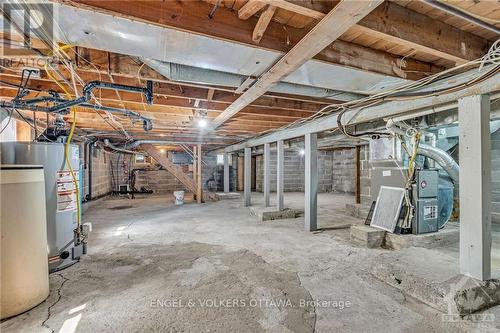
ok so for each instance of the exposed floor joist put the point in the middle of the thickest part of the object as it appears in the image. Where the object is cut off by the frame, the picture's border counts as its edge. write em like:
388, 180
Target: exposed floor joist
403, 26
338, 21
192, 16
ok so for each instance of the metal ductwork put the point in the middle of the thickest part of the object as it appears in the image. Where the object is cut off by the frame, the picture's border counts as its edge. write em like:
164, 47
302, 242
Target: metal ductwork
443, 159
137, 143
438, 155
189, 74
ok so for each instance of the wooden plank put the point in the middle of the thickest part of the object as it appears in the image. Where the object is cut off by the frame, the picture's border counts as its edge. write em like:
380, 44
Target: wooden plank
262, 23
250, 9
423, 33
403, 26
170, 167
338, 21
297, 9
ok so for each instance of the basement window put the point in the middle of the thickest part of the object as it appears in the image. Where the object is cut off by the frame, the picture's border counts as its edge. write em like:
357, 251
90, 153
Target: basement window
220, 159
139, 158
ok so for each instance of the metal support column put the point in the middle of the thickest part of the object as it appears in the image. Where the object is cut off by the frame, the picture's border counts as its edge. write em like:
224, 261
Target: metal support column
280, 179
226, 173
267, 174
247, 184
475, 186
311, 182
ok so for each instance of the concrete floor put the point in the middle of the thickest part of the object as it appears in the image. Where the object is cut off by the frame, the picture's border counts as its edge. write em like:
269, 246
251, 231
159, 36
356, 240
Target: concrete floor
153, 266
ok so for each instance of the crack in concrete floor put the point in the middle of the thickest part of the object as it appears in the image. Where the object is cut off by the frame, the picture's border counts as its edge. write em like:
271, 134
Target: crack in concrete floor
324, 266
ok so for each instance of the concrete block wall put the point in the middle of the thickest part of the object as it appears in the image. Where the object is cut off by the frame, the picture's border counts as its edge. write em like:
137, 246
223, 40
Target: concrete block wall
326, 164
160, 181
365, 175
294, 172
344, 171
101, 172
336, 171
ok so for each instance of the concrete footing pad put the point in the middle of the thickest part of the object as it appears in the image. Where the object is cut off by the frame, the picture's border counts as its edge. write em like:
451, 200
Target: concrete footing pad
433, 278
228, 196
270, 213
366, 236
444, 237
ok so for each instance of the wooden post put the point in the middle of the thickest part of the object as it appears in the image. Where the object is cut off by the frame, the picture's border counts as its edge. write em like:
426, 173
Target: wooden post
311, 182
357, 190
240, 173
475, 186
199, 191
195, 170
280, 175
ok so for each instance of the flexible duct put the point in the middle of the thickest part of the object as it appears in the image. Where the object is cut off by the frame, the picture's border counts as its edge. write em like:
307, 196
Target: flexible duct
183, 73
438, 155
121, 150
443, 159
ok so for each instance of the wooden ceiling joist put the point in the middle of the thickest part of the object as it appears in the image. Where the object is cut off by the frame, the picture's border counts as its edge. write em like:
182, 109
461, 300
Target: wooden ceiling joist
264, 20
192, 16
403, 26
338, 21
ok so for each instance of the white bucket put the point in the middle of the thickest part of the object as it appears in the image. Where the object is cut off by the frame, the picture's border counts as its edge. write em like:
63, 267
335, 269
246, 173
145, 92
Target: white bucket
179, 197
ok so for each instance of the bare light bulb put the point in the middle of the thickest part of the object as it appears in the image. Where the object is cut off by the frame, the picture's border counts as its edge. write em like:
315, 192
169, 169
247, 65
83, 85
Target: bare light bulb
202, 123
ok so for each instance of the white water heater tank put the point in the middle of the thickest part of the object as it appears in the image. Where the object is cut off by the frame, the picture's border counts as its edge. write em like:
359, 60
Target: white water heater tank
24, 273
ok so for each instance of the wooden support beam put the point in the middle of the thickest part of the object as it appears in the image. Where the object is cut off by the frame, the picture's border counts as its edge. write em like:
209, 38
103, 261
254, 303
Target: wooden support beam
250, 9
364, 114
262, 23
338, 21
475, 186
170, 167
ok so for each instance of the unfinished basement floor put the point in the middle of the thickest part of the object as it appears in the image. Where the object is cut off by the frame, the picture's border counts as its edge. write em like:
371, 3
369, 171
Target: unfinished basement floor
155, 267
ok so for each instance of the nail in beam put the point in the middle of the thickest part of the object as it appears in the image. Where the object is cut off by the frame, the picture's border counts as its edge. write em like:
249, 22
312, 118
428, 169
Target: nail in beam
311, 182
475, 186
248, 177
226, 173
280, 179
267, 174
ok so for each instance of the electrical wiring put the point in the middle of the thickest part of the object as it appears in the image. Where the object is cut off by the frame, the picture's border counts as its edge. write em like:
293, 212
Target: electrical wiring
66, 150
405, 92
29, 123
